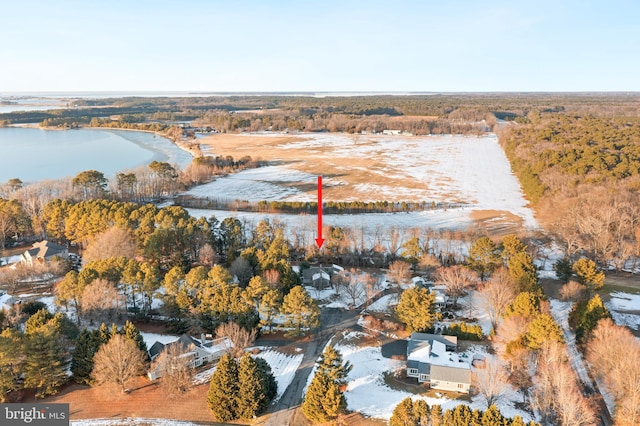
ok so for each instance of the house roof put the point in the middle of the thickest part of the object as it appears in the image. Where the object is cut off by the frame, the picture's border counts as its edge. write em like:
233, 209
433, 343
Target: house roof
450, 374
418, 340
44, 249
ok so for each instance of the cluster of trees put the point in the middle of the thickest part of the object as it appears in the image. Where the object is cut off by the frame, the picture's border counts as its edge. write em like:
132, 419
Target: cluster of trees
109, 355
240, 389
464, 331
418, 413
581, 172
37, 357
324, 400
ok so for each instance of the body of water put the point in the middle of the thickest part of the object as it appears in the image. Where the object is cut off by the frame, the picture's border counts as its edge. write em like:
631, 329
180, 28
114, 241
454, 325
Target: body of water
33, 154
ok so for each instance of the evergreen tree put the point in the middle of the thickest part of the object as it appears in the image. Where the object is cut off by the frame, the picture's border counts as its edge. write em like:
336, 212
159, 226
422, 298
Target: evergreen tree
331, 363
301, 310
588, 274
484, 257
130, 331
584, 316
103, 335
421, 412
82, 358
563, 269
37, 321
493, 417
223, 390
403, 414
45, 364
436, 415
525, 305
323, 401
269, 384
511, 245
11, 348
251, 397
416, 309
523, 272
543, 329
269, 309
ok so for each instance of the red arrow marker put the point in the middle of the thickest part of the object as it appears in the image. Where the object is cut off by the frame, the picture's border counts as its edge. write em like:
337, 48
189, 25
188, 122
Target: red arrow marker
319, 240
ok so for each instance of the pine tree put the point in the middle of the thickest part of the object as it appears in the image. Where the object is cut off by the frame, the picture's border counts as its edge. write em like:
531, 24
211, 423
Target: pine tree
45, 364
269, 309
493, 417
82, 358
525, 305
523, 272
436, 415
588, 274
543, 329
323, 401
331, 363
269, 384
483, 257
11, 343
223, 390
37, 321
511, 245
421, 412
301, 310
102, 334
403, 414
416, 309
251, 395
130, 331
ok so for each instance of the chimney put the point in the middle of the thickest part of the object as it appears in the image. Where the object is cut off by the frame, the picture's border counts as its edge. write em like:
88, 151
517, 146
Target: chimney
203, 339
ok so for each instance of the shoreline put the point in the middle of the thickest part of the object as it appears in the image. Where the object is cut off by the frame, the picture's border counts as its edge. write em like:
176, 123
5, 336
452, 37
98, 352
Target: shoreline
193, 148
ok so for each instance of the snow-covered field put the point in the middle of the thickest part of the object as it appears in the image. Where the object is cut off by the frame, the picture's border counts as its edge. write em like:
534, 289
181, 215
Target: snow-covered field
451, 169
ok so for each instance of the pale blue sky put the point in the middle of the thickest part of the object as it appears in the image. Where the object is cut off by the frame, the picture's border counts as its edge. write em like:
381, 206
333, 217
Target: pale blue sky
332, 45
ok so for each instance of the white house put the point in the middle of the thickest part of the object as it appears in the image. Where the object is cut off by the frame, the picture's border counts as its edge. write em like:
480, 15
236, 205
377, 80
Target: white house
195, 352
432, 359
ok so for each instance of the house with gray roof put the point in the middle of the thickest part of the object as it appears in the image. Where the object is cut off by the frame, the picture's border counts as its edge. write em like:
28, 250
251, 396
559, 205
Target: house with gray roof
194, 352
433, 360
44, 251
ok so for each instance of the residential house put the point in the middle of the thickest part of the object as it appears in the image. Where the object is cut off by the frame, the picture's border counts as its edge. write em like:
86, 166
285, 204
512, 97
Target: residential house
319, 276
433, 360
44, 251
195, 352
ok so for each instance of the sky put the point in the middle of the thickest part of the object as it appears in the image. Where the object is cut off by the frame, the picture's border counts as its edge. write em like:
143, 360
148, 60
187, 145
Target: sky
329, 45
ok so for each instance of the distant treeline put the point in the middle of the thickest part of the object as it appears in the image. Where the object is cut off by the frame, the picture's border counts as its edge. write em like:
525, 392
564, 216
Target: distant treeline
417, 114
310, 207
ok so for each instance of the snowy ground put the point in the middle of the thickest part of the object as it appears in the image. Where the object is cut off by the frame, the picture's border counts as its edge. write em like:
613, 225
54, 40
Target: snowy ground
130, 421
624, 308
449, 169
283, 367
368, 394
330, 298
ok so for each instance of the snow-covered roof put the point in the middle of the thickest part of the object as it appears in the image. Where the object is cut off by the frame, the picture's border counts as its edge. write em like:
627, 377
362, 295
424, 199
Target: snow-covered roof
6, 301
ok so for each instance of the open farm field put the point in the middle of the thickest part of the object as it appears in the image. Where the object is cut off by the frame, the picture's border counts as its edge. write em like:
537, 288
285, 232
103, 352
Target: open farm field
469, 172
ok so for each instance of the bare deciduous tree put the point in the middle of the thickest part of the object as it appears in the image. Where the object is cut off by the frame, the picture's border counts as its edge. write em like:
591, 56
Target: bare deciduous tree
240, 338
497, 294
572, 291
114, 242
177, 372
400, 273
101, 302
457, 279
491, 381
614, 352
117, 362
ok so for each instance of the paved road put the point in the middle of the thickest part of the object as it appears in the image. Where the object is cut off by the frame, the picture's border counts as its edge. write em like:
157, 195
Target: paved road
332, 321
